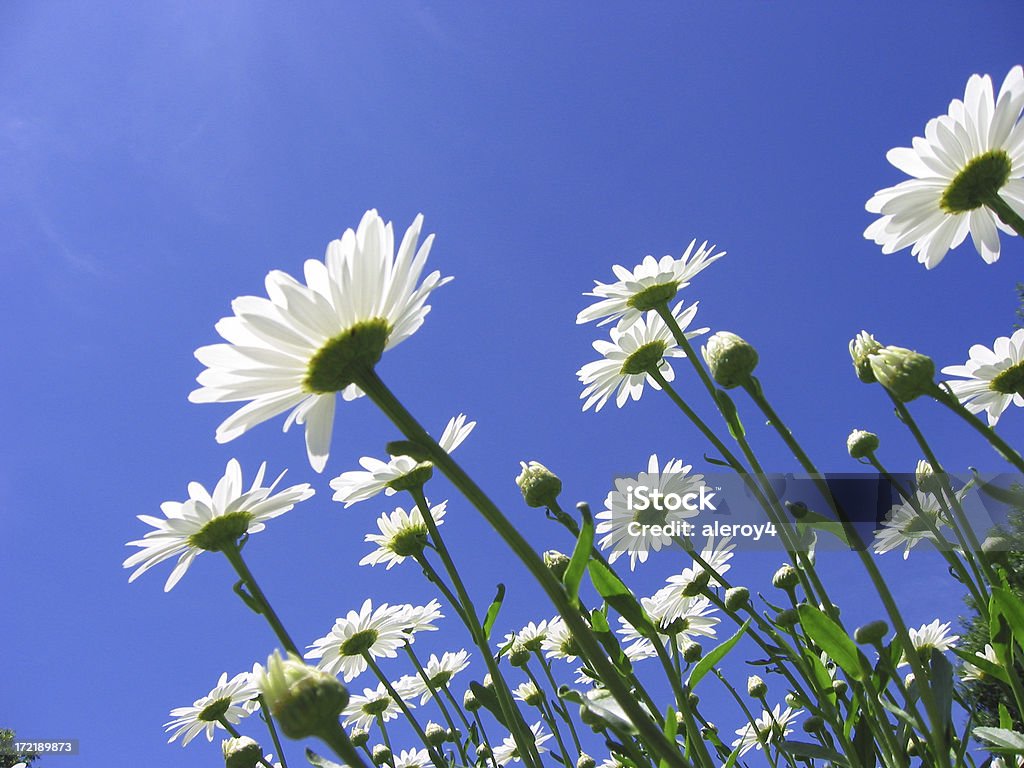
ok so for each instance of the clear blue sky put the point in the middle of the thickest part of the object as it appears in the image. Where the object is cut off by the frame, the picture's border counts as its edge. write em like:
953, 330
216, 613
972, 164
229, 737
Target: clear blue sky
157, 161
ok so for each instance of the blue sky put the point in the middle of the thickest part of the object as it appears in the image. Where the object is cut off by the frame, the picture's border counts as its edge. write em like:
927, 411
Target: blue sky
159, 160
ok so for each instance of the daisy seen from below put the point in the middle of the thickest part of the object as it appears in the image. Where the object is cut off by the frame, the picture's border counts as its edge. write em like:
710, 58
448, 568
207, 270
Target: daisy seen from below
991, 379
230, 700
412, 758
439, 672
716, 554
531, 637
528, 693
968, 177
635, 525
211, 522
364, 709
402, 534
904, 527
558, 642
377, 632
677, 621
507, 752
651, 283
630, 354
770, 728
297, 349
376, 475
928, 637
975, 673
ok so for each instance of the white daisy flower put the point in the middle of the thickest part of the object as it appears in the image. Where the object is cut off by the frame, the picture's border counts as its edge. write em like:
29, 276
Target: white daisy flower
629, 522
412, 758
364, 709
973, 152
716, 554
558, 643
295, 350
771, 727
402, 534
211, 521
650, 283
622, 369
376, 475
230, 699
379, 632
507, 752
973, 672
931, 636
528, 693
531, 637
439, 672
904, 526
422, 618
991, 378
685, 618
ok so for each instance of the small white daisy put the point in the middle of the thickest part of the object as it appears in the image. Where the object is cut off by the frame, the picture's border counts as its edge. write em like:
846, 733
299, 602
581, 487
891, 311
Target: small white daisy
528, 693
676, 619
376, 475
211, 521
531, 637
716, 554
379, 632
412, 758
973, 151
991, 379
402, 534
627, 520
650, 283
230, 699
558, 642
904, 526
364, 709
931, 636
771, 727
298, 348
422, 618
439, 672
507, 752
973, 672
626, 358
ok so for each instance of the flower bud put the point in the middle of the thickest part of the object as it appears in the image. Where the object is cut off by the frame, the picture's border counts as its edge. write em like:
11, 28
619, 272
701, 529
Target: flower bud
436, 735
381, 755
488, 682
709, 730
787, 618
840, 687
305, 701
736, 598
692, 651
483, 752
996, 549
813, 724
454, 734
518, 655
731, 359
797, 509
861, 444
557, 563
905, 373
470, 702
786, 578
585, 761
794, 701
359, 737
693, 700
912, 749
862, 347
756, 687
871, 633
539, 485
241, 752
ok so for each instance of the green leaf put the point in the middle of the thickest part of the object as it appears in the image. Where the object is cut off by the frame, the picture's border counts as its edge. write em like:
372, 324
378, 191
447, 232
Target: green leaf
864, 743
490, 702
1002, 740
580, 555
492, 611
1003, 602
671, 729
320, 762
816, 751
831, 638
708, 662
1012, 496
941, 674
733, 757
618, 596
732, 416
903, 715
717, 463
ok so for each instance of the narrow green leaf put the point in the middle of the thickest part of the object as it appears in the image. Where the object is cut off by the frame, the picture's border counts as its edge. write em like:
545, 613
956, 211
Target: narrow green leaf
707, 663
671, 729
864, 743
732, 416
1005, 721
490, 702
618, 596
1002, 740
830, 637
580, 555
941, 674
492, 611
1012, 609
1012, 496
815, 751
903, 715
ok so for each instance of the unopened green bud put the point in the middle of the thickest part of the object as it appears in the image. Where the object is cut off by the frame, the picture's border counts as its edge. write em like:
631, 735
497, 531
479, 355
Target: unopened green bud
861, 444
756, 687
359, 737
518, 655
381, 754
905, 373
470, 702
488, 682
797, 509
305, 701
539, 485
926, 478
840, 687
862, 347
241, 752
731, 359
794, 701
585, 761
786, 578
912, 748
996, 549
736, 598
557, 563
871, 633
483, 752
454, 735
693, 700
436, 735
709, 730
787, 618
813, 724
692, 651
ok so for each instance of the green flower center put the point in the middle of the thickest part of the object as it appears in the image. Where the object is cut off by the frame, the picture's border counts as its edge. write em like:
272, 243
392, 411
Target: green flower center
917, 525
655, 296
676, 626
653, 515
409, 542
221, 532
359, 643
441, 679
569, 647
375, 707
214, 711
1010, 381
646, 357
344, 358
980, 179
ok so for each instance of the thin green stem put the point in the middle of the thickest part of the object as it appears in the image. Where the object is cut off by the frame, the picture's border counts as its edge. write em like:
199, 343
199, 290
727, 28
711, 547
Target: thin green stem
547, 712
435, 753
560, 705
234, 556
338, 740
1001, 446
269, 720
1003, 210
437, 699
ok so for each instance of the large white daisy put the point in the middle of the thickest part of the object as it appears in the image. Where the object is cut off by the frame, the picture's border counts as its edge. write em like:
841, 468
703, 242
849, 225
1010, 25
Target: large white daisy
991, 379
295, 350
376, 475
531, 637
716, 554
629, 528
771, 728
626, 358
402, 534
973, 151
507, 752
377, 632
676, 620
558, 642
903, 526
647, 285
230, 699
211, 521
928, 637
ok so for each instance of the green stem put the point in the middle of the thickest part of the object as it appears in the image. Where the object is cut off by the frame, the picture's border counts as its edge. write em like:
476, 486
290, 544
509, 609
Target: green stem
338, 741
486, 740
234, 732
1001, 446
560, 705
547, 713
437, 699
269, 720
378, 392
1003, 210
435, 753
234, 556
